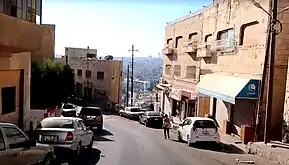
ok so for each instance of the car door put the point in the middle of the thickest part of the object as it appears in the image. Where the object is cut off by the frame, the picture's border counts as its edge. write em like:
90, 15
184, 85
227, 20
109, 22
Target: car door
184, 129
187, 128
80, 133
5, 157
18, 147
86, 133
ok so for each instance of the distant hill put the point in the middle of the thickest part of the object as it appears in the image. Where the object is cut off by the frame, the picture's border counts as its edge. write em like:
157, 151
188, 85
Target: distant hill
145, 68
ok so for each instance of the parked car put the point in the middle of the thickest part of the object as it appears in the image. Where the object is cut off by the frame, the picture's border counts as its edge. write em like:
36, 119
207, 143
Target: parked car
151, 118
65, 134
69, 110
131, 112
17, 149
198, 129
92, 117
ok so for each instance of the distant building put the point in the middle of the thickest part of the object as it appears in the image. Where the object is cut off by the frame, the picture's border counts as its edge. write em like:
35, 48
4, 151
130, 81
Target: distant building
138, 85
96, 79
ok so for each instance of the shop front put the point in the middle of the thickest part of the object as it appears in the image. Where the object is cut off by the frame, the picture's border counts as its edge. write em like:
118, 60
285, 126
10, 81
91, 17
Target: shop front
176, 102
189, 99
162, 102
232, 101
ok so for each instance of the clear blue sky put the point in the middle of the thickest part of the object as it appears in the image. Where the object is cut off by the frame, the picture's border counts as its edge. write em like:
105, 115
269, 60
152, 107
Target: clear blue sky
112, 26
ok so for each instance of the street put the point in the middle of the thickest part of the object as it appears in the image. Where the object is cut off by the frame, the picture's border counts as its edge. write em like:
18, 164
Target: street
126, 142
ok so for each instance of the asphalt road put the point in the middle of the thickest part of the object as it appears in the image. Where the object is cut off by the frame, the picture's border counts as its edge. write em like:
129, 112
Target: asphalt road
126, 142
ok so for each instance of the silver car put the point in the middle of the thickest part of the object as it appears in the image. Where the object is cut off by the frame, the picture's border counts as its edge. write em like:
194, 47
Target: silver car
64, 134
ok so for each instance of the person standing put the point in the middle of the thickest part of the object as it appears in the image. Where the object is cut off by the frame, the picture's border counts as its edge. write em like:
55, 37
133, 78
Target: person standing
166, 126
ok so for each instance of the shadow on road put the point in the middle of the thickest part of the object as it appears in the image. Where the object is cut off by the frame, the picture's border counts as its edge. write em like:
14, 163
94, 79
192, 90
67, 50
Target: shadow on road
101, 136
89, 157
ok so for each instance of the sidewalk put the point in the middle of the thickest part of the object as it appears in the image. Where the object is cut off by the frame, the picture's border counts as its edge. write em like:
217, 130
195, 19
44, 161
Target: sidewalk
275, 151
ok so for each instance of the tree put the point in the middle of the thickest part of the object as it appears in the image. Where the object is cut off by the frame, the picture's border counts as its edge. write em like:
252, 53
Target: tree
51, 83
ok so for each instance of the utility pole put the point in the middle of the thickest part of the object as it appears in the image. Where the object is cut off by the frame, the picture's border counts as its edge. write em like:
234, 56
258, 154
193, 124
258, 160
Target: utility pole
132, 68
127, 86
269, 107
86, 72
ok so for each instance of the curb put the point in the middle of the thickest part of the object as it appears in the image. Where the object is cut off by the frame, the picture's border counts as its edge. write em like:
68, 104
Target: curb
257, 150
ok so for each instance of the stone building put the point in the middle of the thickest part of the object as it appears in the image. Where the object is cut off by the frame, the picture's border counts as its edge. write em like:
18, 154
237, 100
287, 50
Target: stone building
21, 40
96, 79
214, 59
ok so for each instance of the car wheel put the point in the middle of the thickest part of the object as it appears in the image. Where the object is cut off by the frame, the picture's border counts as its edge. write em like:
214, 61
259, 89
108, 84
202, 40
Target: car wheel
179, 136
90, 144
49, 160
77, 151
99, 129
188, 141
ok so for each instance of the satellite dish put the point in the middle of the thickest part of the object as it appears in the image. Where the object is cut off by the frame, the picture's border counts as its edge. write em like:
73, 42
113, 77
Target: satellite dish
108, 57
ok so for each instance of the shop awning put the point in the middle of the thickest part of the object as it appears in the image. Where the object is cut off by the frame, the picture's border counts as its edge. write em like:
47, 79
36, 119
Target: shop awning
228, 88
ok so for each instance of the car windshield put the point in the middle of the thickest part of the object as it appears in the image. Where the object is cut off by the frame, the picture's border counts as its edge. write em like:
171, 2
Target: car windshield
56, 123
90, 111
204, 124
68, 106
135, 110
68, 113
153, 114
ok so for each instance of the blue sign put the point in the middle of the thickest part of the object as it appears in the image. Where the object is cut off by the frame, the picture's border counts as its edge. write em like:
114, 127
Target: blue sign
250, 90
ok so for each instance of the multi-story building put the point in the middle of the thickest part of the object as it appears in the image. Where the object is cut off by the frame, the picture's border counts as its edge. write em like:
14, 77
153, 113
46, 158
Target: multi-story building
95, 78
215, 59
21, 39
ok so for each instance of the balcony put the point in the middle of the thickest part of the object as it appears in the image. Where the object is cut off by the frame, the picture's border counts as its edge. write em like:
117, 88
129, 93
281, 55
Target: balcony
168, 50
223, 46
18, 35
205, 50
191, 46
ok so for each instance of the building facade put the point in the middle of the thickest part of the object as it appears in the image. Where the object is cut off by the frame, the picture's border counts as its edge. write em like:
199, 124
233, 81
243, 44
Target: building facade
21, 41
222, 47
96, 79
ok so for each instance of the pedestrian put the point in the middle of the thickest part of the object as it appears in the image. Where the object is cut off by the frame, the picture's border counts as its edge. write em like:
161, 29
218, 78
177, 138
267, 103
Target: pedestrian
166, 126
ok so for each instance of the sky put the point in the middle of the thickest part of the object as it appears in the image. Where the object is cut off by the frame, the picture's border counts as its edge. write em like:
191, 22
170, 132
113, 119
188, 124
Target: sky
112, 26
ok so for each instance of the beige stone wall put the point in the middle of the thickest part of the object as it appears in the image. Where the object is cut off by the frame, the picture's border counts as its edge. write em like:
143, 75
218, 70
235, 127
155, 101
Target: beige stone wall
9, 76
183, 28
246, 60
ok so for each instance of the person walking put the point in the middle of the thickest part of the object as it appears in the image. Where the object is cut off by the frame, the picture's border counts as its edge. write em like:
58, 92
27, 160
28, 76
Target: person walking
166, 126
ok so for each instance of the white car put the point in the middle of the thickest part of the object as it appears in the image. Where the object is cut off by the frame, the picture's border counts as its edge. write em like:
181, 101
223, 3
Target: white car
65, 134
198, 129
131, 112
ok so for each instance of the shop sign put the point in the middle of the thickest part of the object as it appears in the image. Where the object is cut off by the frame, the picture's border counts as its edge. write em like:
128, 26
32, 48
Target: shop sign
176, 94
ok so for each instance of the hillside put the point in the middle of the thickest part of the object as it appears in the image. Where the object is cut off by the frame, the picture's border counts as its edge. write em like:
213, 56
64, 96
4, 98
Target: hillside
145, 68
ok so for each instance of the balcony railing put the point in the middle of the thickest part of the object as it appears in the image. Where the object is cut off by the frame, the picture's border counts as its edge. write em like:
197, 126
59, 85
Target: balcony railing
168, 50
205, 50
191, 46
225, 45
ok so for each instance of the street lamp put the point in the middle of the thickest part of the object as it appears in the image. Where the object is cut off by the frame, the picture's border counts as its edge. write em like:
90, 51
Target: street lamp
270, 51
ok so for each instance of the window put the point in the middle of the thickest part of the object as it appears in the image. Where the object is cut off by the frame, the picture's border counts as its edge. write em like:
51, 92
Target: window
79, 72
91, 111
88, 73
178, 41
168, 69
56, 123
15, 138
169, 40
191, 72
177, 70
81, 125
8, 100
192, 36
2, 144
208, 37
100, 75
250, 29
226, 38
204, 124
